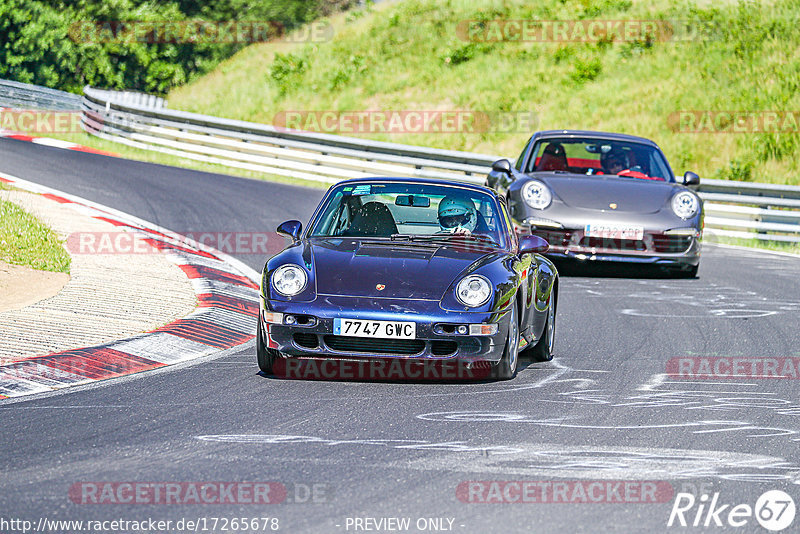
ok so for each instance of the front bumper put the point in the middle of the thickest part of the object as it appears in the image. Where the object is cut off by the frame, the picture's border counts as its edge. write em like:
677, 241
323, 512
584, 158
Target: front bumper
656, 247
436, 330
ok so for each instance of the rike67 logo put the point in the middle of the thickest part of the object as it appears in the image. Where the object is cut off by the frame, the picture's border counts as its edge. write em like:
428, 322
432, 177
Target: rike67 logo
774, 510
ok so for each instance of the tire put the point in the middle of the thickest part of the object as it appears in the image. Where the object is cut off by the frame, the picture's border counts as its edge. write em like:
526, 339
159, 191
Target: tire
543, 350
266, 356
691, 272
506, 368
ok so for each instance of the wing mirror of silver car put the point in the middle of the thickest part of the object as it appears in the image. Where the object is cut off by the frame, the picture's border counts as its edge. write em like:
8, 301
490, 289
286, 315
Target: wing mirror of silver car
691, 178
291, 229
502, 165
532, 244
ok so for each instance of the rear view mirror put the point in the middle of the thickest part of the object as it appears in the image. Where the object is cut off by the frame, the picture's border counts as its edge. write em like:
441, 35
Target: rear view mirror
502, 165
291, 228
531, 244
415, 201
691, 178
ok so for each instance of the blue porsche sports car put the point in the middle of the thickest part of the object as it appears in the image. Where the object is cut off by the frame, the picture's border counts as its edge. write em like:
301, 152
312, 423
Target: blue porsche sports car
402, 270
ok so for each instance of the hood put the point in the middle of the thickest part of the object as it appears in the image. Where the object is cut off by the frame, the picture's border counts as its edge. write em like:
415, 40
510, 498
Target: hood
408, 270
631, 195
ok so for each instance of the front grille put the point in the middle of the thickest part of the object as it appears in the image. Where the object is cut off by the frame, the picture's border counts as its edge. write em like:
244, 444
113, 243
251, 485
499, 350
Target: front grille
442, 347
306, 340
613, 244
671, 243
368, 345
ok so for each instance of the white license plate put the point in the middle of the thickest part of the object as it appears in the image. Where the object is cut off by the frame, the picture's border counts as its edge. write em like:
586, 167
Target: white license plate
379, 329
613, 231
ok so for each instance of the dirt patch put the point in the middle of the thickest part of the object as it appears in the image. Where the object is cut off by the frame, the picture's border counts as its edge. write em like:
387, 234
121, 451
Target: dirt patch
23, 286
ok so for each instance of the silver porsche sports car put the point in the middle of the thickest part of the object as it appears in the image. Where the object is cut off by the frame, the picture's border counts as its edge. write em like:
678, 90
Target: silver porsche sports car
603, 196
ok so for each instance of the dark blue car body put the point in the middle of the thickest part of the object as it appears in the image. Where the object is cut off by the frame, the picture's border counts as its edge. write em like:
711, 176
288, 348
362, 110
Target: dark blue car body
380, 278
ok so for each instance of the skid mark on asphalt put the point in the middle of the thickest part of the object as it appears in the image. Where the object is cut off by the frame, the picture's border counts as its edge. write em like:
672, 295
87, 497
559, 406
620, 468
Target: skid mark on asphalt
411, 444
699, 427
685, 299
543, 459
621, 463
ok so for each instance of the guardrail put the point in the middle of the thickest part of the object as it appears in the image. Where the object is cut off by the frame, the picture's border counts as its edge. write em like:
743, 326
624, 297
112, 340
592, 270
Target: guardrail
734, 209
26, 96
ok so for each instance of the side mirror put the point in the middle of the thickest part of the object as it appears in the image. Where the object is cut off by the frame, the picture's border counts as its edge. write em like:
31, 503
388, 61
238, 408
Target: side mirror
291, 228
530, 244
691, 178
502, 165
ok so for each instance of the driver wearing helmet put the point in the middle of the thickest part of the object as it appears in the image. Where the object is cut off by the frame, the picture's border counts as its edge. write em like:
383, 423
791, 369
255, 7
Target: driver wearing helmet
614, 161
457, 216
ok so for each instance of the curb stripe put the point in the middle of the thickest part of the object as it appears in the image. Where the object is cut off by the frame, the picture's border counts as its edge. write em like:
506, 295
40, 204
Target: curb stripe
81, 148
56, 143
206, 332
201, 271
95, 363
20, 137
223, 319
166, 247
228, 303
60, 200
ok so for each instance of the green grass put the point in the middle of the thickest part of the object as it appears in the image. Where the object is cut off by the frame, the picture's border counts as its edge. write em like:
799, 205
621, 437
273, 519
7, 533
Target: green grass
792, 248
24, 240
408, 56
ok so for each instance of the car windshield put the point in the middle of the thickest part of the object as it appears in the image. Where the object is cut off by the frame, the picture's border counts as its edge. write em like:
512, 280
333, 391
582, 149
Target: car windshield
599, 157
409, 211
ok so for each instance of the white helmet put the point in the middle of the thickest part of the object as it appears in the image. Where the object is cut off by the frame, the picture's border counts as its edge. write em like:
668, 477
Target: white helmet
456, 214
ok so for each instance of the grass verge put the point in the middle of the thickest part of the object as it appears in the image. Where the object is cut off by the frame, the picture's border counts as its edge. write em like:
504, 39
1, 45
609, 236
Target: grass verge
777, 246
410, 55
24, 240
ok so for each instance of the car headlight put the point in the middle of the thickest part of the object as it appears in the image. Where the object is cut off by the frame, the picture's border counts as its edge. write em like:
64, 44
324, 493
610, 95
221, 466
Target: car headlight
289, 280
473, 291
536, 195
685, 205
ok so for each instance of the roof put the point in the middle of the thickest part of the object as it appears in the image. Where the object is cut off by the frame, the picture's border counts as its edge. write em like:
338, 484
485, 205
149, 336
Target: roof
595, 135
430, 181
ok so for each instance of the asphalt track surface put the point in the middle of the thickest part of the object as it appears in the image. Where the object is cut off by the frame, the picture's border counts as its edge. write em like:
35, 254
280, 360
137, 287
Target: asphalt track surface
602, 410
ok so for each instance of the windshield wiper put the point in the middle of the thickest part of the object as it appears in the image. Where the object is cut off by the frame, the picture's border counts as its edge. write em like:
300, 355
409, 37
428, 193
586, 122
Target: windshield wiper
414, 237
441, 237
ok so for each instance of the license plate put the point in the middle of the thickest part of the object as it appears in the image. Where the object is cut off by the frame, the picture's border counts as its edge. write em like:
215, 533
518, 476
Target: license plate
379, 329
613, 231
